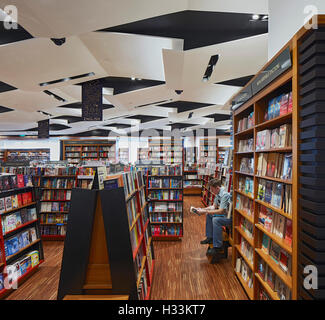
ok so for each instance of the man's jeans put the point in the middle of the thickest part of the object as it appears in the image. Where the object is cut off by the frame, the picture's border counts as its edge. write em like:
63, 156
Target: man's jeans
213, 228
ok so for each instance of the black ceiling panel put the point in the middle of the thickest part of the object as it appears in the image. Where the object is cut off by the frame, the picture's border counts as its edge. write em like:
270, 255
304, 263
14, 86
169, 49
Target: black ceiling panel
183, 106
94, 133
53, 127
119, 125
197, 28
144, 118
71, 119
122, 85
147, 133
238, 82
5, 109
78, 105
180, 125
219, 117
4, 87
13, 35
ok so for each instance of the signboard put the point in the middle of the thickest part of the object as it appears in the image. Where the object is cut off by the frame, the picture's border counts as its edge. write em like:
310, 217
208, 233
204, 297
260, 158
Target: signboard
274, 70
44, 129
243, 96
92, 103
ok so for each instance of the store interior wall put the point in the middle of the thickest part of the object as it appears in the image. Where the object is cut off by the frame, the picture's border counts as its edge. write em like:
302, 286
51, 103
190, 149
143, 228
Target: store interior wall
286, 17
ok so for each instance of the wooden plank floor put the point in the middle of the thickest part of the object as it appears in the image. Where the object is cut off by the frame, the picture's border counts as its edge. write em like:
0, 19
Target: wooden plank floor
181, 269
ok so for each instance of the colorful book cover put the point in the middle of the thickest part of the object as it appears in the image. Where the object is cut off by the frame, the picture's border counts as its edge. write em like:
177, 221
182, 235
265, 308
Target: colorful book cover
284, 104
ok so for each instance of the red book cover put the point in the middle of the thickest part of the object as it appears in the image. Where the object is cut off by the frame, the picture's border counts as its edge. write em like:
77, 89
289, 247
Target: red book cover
288, 233
29, 197
24, 198
290, 102
284, 104
20, 180
20, 200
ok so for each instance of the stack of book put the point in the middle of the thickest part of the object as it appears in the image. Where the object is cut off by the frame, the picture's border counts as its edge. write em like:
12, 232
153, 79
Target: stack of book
247, 165
277, 138
275, 165
279, 106
246, 145
246, 122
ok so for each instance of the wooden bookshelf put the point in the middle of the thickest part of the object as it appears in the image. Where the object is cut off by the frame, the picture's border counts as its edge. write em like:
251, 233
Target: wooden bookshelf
27, 155
27, 220
192, 183
166, 224
256, 108
76, 150
165, 151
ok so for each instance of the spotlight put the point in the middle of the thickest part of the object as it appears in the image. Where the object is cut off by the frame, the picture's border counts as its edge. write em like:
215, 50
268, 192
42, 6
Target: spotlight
58, 42
255, 16
132, 78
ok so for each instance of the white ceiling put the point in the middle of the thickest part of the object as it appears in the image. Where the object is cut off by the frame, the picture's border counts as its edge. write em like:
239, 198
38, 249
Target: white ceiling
27, 63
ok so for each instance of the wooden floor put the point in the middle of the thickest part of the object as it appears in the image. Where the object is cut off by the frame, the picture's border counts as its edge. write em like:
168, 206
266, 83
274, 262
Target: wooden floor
181, 269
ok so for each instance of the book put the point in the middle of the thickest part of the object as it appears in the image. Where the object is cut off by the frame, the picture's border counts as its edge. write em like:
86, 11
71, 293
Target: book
261, 266
284, 104
270, 277
284, 261
290, 102
275, 251
8, 203
288, 231
266, 243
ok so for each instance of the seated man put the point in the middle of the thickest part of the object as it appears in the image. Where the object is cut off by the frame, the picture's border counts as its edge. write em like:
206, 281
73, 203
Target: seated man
216, 217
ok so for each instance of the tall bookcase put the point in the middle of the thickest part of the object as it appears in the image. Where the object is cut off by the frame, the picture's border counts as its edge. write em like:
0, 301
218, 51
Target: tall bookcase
208, 150
165, 151
265, 199
191, 181
165, 197
76, 150
21, 249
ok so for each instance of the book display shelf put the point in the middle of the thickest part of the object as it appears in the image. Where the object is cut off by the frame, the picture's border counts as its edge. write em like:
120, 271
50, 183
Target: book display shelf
115, 250
165, 151
85, 177
208, 150
164, 186
21, 249
27, 155
191, 181
75, 151
56, 186
265, 186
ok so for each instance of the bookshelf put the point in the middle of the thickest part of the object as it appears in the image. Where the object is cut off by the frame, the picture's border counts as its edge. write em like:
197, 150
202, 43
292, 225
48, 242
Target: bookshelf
27, 155
21, 249
164, 186
191, 180
56, 185
85, 177
75, 151
208, 150
123, 155
265, 187
121, 259
165, 151
143, 154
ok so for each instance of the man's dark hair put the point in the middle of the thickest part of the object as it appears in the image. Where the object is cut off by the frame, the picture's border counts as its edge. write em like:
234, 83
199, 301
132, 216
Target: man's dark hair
215, 183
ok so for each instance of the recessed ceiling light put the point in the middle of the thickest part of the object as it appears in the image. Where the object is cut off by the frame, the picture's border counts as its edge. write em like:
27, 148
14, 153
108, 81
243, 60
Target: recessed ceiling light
255, 16
265, 17
132, 78
139, 79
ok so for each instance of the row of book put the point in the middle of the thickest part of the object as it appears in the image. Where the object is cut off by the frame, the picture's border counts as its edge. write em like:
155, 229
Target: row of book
56, 195
15, 201
54, 218
275, 283
89, 148
16, 219
246, 145
89, 154
138, 261
72, 154
140, 179
142, 198
165, 207
275, 165
65, 183
245, 271
85, 183
192, 183
11, 181
279, 106
72, 149
246, 185
129, 182
165, 148
274, 138
165, 230
165, 195
166, 171
246, 226
131, 209
19, 241
135, 235
246, 249
247, 165
276, 224
211, 147
279, 195
143, 285
164, 183
18, 268
86, 171
244, 204
166, 217
246, 122
55, 206
280, 256
60, 171
53, 230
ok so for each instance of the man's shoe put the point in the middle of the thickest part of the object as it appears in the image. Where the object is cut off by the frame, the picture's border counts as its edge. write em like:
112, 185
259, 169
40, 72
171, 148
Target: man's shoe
214, 251
207, 241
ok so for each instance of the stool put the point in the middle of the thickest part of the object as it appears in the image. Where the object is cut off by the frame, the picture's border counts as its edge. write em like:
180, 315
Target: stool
225, 246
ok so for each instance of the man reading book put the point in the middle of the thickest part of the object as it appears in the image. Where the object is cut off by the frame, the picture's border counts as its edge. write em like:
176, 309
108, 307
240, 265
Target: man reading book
217, 216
